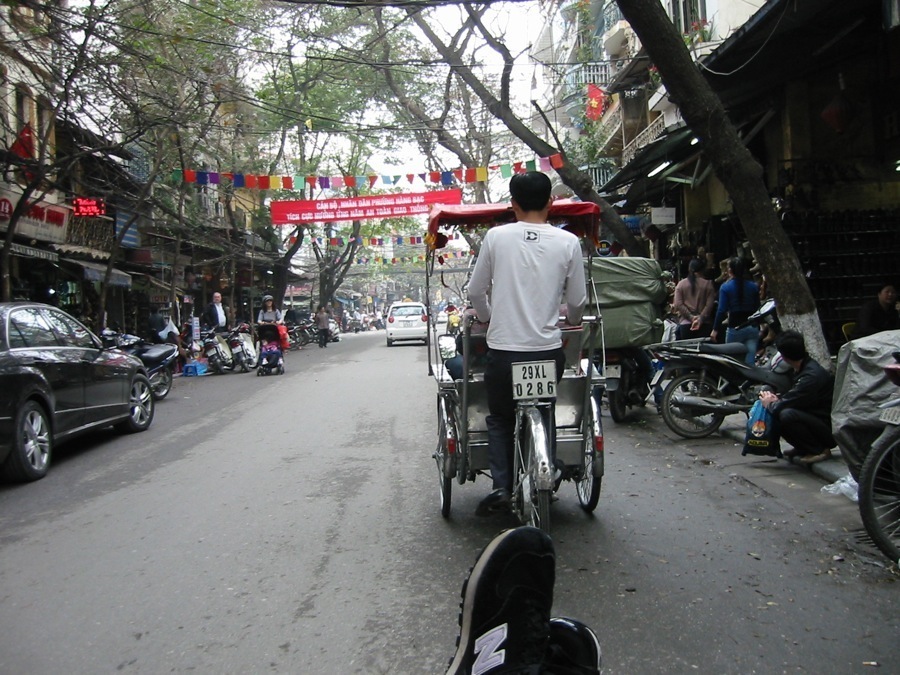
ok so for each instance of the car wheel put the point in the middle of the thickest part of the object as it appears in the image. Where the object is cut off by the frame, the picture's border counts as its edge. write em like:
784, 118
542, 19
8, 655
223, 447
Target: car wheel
32, 445
140, 407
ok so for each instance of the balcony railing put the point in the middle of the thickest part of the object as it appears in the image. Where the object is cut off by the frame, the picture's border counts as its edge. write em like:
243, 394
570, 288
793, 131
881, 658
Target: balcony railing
578, 77
611, 125
653, 131
611, 15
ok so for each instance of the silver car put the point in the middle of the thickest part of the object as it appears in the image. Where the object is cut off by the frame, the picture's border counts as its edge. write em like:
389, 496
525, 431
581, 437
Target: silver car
407, 321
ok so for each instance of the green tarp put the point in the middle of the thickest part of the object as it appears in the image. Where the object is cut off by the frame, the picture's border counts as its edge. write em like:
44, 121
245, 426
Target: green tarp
631, 294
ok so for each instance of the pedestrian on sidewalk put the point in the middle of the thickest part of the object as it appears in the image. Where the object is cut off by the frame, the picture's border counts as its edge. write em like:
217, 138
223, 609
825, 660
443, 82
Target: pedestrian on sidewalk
803, 413
323, 318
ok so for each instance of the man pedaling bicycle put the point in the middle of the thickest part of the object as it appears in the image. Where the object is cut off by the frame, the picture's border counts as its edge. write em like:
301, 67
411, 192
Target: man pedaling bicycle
524, 271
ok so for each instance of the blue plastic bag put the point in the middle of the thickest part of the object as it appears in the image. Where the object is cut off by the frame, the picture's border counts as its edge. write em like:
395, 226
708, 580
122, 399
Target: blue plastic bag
762, 435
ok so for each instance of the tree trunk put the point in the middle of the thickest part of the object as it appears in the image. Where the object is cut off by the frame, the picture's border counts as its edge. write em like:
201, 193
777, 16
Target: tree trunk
735, 166
579, 181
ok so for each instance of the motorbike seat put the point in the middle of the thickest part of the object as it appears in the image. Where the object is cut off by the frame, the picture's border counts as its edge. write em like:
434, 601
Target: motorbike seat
155, 354
736, 349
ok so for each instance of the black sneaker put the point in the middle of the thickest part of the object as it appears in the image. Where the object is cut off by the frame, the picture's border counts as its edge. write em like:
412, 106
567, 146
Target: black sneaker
573, 650
505, 610
496, 502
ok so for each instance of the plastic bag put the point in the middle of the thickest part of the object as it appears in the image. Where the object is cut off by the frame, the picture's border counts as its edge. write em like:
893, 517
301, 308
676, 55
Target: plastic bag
761, 437
843, 486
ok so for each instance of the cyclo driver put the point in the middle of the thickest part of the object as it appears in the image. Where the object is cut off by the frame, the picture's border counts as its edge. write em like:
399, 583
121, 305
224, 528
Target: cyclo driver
523, 271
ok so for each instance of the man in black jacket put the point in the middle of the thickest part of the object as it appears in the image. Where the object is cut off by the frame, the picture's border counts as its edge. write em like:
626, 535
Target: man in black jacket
215, 316
803, 413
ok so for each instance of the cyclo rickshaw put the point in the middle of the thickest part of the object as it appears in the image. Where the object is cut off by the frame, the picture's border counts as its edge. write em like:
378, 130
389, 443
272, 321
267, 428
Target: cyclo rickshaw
462, 439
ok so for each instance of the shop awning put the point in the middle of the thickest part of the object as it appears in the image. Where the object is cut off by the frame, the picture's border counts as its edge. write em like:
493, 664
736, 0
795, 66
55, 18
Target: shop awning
95, 272
32, 252
153, 281
672, 147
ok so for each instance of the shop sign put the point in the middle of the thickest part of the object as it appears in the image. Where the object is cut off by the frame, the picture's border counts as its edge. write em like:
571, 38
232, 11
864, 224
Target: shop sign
42, 221
604, 248
88, 207
662, 215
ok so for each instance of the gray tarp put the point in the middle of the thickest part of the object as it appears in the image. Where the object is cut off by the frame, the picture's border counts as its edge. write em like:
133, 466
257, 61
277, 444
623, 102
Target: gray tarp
631, 294
860, 385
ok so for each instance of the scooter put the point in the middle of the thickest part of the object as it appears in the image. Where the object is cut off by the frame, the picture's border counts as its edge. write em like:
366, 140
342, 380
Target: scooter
243, 350
158, 359
334, 331
630, 377
714, 382
217, 352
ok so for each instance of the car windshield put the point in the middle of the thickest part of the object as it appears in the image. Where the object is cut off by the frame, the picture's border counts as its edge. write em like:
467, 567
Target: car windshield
408, 311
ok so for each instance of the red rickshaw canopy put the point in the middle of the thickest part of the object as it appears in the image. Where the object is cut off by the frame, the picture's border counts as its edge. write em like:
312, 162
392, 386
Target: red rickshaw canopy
580, 218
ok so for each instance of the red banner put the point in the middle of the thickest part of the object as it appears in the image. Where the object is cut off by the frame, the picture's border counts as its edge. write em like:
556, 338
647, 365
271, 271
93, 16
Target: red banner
360, 208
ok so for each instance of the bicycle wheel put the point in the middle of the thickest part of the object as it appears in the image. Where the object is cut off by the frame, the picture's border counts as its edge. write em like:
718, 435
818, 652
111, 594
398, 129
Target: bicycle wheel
533, 474
879, 497
588, 486
442, 456
685, 420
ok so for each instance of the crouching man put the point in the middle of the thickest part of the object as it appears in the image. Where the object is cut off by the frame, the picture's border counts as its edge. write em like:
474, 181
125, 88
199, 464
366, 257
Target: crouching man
803, 413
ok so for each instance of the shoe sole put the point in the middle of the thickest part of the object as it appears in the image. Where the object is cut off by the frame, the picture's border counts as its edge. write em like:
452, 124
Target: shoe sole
468, 603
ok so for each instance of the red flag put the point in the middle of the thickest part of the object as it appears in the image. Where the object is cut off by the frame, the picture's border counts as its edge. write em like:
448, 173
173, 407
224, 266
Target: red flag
594, 103
24, 143
287, 182
470, 175
556, 161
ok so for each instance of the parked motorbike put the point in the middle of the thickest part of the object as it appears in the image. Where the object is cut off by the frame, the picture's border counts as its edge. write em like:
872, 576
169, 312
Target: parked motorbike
713, 382
334, 331
629, 379
243, 349
879, 477
158, 359
217, 351
766, 318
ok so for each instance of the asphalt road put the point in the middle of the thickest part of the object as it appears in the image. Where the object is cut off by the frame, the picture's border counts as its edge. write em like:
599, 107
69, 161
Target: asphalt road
290, 524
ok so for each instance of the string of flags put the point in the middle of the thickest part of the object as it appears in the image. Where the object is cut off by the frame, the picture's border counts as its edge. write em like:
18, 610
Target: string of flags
280, 182
393, 239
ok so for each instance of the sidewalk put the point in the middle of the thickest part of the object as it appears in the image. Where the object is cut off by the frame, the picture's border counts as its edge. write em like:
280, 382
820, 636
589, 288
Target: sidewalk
829, 470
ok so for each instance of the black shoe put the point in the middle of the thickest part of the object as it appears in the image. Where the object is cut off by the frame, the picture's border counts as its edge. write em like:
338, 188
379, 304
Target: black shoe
496, 502
505, 612
573, 650
560, 471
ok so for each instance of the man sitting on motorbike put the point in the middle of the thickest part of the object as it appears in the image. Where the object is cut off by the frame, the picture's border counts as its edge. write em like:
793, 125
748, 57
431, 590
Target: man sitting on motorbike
803, 413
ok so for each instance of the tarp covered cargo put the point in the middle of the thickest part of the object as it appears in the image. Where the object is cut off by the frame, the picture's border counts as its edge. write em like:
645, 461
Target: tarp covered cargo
624, 281
629, 294
860, 385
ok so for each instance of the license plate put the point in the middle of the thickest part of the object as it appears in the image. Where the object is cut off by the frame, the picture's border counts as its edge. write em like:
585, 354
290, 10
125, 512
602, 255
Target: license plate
614, 371
534, 379
890, 415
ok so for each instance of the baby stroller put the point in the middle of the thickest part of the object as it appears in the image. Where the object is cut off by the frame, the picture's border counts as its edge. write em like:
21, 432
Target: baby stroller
271, 358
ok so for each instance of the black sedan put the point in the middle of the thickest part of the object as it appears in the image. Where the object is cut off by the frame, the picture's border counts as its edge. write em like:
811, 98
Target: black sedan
57, 380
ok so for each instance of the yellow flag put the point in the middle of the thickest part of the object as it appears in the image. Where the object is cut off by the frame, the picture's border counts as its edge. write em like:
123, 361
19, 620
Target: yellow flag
308, 123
